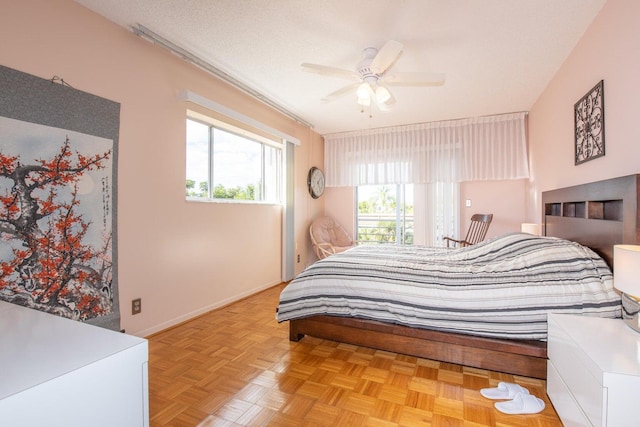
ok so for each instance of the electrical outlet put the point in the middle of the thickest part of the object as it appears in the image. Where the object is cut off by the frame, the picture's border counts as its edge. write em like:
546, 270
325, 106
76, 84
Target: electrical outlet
298, 257
136, 306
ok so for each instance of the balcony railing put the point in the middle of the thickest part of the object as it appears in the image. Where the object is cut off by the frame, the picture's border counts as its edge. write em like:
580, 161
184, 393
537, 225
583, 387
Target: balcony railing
384, 228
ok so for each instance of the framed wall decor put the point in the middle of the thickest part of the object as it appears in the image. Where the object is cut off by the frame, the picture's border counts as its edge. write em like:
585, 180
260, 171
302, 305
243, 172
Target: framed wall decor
589, 125
58, 181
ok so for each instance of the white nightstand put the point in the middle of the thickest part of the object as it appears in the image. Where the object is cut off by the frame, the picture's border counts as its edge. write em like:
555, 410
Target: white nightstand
57, 372
593, 373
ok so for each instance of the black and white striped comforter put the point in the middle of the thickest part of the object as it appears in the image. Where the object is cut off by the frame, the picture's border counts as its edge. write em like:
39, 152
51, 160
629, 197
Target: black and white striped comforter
503, 287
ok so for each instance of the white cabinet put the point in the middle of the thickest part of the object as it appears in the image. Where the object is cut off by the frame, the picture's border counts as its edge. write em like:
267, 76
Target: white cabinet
59, 372
593, 375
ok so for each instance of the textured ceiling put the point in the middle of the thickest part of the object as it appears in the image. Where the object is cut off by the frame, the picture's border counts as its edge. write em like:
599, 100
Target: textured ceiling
498, 55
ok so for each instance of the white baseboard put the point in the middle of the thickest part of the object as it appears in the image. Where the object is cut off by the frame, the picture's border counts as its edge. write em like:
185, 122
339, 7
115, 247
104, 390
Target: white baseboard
188, 316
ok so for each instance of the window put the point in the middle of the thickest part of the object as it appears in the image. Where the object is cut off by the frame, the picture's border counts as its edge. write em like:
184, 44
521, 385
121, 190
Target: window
227, 162
385, 213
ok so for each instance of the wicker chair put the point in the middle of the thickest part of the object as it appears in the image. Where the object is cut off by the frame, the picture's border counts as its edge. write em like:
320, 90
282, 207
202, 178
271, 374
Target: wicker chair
477, 231
328, 237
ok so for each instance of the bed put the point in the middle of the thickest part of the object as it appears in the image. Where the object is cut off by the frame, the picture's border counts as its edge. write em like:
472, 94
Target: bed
582, 224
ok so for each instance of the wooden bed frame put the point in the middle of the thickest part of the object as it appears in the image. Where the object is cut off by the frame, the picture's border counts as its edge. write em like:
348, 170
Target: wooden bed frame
598, 215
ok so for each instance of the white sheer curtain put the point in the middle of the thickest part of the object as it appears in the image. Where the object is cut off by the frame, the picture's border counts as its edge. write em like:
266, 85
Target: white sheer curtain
435, 212
483, 148
435, 157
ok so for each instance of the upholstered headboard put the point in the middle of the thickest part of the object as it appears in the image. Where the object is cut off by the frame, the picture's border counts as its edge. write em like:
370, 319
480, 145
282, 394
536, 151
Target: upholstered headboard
598, 214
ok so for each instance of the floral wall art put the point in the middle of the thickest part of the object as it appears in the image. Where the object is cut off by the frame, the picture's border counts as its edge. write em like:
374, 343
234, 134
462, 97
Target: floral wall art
57, 200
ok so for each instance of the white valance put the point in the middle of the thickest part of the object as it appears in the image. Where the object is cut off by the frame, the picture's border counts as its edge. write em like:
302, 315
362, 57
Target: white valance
483, 148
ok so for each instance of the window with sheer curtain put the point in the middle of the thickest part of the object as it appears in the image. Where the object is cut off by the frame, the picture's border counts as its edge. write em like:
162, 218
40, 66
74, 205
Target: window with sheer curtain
438, 155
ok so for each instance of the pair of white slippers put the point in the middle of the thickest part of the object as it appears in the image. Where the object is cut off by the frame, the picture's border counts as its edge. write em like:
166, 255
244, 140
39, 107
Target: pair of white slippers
517, 399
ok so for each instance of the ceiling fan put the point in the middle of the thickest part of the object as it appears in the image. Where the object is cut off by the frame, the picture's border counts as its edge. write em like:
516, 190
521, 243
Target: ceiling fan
372, 76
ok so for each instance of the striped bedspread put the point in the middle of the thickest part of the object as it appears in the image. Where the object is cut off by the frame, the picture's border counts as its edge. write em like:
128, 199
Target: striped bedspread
503, 287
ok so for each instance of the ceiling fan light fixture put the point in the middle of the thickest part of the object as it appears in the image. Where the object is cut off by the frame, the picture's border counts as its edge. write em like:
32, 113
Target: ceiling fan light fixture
364, 101
382, 94
364, 91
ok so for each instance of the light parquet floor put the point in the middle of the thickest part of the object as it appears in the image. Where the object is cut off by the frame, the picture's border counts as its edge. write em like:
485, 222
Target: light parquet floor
236, 367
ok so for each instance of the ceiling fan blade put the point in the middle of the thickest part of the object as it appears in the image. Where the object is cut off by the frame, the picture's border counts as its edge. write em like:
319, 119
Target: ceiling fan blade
414, 79
386, 57
330, 71
341, 92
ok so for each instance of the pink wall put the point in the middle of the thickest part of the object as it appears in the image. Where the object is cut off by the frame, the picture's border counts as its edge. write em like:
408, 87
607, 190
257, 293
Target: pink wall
504, 199
610, 51
314, 207
182, 258
340, 204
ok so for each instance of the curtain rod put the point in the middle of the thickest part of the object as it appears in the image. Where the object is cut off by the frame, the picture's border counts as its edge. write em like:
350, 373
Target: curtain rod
142, 31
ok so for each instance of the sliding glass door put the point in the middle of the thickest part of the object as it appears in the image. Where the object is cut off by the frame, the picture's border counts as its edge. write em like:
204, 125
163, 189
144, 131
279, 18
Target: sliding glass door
420, 214
385, 214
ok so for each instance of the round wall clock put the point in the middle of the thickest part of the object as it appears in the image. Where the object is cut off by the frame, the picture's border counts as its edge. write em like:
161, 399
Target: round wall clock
315, 181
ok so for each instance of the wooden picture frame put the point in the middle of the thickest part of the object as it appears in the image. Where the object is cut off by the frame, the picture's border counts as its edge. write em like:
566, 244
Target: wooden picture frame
589, 125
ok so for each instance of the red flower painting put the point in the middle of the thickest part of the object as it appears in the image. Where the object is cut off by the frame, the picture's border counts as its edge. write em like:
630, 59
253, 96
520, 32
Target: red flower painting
56, 253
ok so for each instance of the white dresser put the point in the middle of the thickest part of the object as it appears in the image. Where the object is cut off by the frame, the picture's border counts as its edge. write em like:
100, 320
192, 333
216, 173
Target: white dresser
593, 375
59, 372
